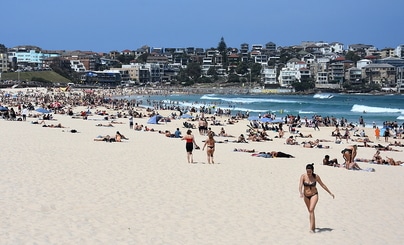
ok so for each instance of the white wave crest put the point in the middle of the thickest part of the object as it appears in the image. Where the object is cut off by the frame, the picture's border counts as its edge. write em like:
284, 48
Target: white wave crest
246, 100
372, 109
306, 112
323, 96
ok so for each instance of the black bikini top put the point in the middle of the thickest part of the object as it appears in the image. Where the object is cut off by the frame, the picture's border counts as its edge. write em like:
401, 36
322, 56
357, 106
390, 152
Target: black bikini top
310, 184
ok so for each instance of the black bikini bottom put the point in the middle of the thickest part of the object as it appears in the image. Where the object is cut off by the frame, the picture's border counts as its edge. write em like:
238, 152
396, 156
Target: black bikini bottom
309, 197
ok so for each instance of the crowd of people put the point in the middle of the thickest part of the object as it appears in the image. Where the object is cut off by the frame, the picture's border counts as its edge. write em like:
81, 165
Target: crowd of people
203, 118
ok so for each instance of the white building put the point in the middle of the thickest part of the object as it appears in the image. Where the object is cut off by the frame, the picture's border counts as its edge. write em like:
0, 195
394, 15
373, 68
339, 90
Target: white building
362, 63
3, 62
296, 64
399, 51
337, 47
288, 76
77, 65
269, 76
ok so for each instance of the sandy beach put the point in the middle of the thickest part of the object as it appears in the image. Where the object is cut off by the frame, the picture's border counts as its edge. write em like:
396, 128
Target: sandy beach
59, 187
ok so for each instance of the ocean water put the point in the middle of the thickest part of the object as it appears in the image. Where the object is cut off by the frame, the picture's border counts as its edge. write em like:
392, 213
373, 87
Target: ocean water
373, 108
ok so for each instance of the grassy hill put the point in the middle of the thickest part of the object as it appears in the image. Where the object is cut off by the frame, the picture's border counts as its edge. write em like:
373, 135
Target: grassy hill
50, 76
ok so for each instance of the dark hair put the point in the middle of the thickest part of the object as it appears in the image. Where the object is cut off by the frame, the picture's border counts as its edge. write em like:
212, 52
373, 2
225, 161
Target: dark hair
326, 156
189, 131
311, 166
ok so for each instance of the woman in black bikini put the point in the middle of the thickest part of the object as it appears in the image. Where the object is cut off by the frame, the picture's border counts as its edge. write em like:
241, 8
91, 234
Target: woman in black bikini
210, 144
308, 191
349, 154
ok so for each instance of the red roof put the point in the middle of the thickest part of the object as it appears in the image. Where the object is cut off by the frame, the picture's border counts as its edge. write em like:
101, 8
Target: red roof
371, 57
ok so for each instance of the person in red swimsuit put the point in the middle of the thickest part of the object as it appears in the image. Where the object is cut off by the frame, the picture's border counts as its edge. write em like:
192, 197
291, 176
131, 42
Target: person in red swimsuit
189, 145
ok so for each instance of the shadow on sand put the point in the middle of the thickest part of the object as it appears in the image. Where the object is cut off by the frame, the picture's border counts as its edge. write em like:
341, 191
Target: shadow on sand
323, 230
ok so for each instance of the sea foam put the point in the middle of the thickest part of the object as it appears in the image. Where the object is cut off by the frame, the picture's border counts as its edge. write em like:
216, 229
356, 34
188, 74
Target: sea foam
372, 109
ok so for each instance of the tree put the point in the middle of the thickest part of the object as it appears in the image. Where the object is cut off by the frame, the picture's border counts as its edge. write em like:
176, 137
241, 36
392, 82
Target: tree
3, 49
233, 78
303, 86
62, 67
183, 77
213, 73
350, 55
204, 80
222, 48
255, 71
194, 70
125, 59
242, 68
142, 58
286, 55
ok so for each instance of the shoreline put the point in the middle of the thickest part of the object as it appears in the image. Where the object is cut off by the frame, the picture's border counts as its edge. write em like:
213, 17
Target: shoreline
205, 90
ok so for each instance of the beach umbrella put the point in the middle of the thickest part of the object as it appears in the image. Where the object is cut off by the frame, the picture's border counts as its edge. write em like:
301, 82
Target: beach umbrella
43, 111
56, 104
2, 108
277, 120
186, 116
266, 119
253, 118
154, 119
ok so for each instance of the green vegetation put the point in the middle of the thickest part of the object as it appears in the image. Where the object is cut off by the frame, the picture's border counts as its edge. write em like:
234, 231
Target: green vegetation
39, 76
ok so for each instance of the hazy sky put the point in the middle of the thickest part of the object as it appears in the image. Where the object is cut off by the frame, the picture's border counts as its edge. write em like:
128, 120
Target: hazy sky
105, 25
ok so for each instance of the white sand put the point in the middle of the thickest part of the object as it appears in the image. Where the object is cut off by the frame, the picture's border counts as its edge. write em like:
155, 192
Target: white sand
58, 187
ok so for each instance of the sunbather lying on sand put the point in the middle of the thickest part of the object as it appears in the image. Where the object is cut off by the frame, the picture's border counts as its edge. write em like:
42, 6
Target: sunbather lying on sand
105, 138
272, 154
244, 150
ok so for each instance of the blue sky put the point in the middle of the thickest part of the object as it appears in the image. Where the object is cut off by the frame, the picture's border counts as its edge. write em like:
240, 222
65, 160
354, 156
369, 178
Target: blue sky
105, 25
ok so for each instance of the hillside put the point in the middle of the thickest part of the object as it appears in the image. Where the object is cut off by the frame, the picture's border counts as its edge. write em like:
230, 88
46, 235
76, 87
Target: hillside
50, 76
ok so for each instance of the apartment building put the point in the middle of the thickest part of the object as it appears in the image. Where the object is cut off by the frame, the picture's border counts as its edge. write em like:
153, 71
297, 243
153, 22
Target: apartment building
354, 75
288, 76
77, 66
143, 73
362, 63
296, 64
383, 74
321, 79
336, 72
387, 52
337, 47
83, 60
244, 52
3, 62
399, 51
269, 77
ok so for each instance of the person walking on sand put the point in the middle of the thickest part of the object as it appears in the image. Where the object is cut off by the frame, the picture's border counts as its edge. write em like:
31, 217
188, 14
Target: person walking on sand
189, 145
130, 122
308, 191
210, 144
